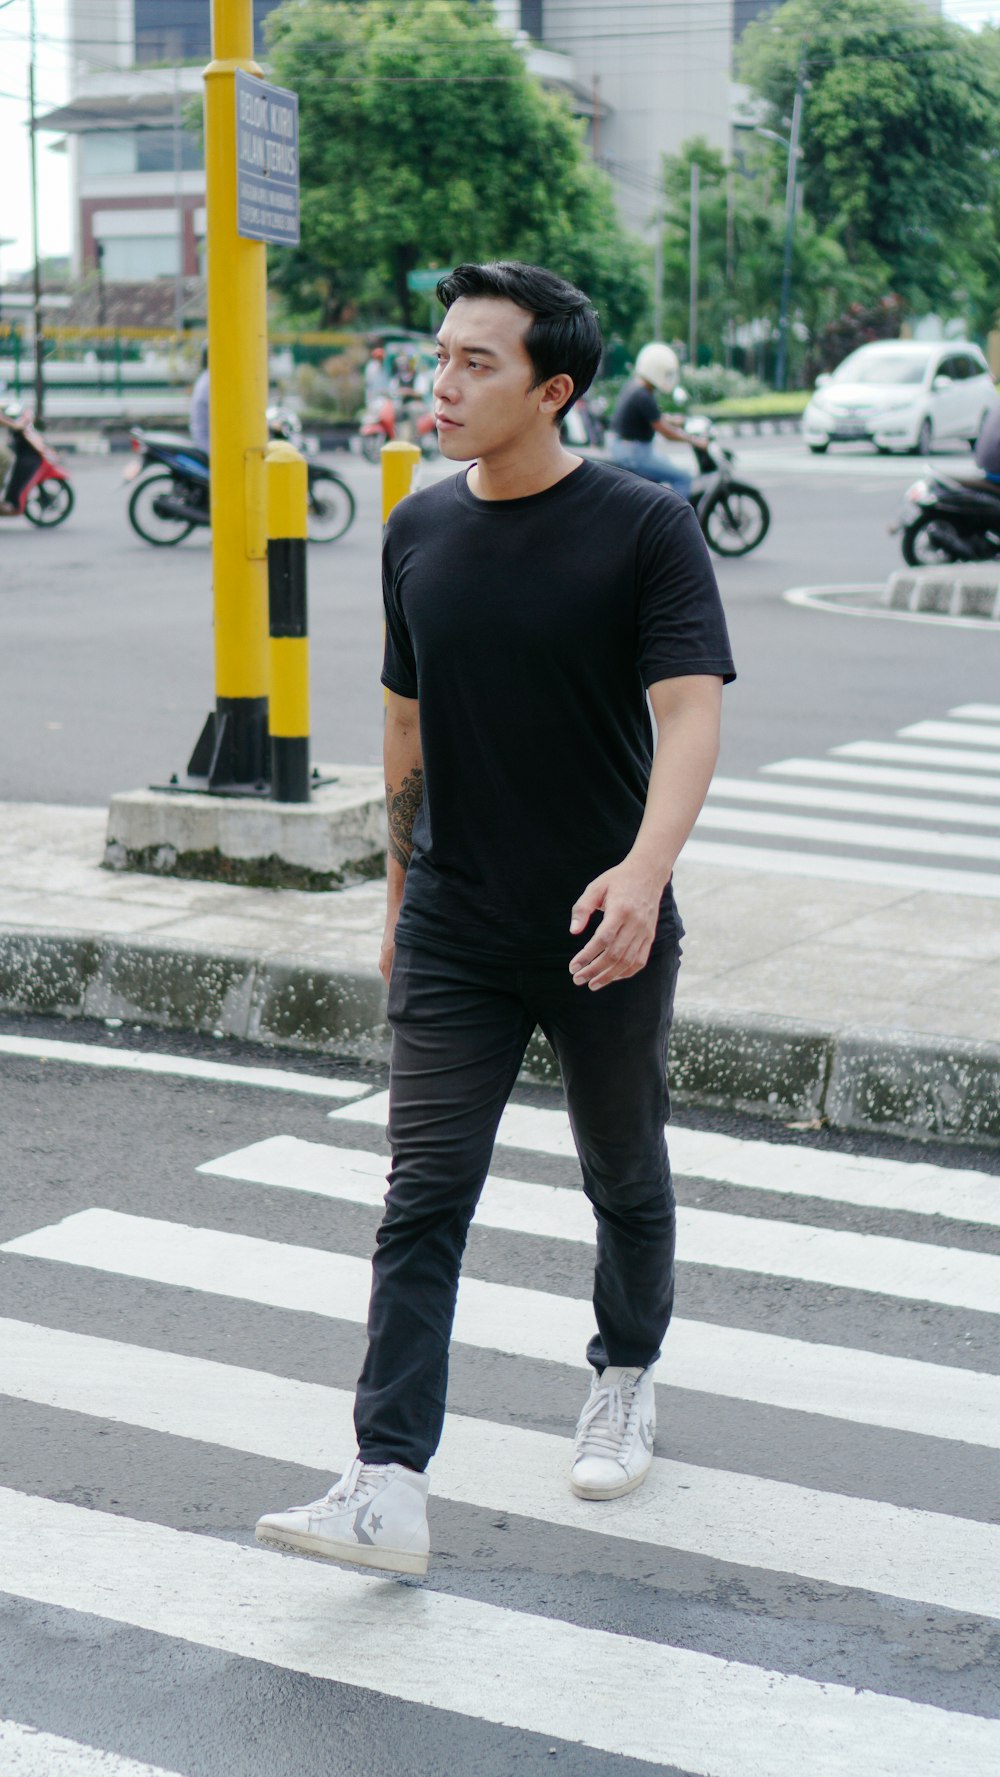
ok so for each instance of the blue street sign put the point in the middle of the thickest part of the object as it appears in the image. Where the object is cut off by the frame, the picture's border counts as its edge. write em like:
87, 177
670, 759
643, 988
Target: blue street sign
267, 162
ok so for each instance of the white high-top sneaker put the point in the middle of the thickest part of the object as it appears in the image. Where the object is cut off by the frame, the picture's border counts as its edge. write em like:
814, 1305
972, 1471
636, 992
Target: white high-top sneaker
374, 1516
614, 1435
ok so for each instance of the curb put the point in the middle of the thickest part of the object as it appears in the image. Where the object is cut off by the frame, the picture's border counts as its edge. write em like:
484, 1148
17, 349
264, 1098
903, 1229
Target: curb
854, 1078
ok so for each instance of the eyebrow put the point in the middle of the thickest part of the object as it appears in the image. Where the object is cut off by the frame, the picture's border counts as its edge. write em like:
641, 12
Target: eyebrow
480, 351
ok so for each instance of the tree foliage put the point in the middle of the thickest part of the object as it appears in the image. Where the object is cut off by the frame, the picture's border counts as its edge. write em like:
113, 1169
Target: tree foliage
424, 142
901, 139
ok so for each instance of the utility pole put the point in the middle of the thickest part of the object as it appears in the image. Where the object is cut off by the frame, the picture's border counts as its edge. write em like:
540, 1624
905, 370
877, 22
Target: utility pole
693, 293
178, 208
791, 187
658, 273
36, 280
232, 755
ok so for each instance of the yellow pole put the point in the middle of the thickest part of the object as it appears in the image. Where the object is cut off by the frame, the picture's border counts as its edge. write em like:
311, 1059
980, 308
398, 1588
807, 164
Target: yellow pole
237, 336
399, 463
287, 518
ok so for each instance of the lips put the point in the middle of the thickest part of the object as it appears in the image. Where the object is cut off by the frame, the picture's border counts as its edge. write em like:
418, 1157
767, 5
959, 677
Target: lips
441, 419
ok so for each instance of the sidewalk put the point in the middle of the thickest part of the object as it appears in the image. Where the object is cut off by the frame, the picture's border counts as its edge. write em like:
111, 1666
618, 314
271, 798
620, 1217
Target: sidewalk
871, 1006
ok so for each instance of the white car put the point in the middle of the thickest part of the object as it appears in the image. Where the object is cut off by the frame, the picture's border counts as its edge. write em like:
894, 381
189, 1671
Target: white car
904, 395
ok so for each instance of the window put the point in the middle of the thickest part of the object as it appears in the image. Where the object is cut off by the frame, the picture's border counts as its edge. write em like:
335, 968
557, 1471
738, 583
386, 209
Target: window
155, 151
170, 31
135, 258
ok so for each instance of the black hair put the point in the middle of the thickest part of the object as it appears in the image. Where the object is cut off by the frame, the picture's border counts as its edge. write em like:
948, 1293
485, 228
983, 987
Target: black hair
564, 337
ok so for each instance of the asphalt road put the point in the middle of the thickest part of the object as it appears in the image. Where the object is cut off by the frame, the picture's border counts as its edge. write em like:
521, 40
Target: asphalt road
166, 1374
106, 644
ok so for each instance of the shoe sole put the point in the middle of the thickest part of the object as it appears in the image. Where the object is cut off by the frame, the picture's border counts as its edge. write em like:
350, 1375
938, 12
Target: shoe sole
615, 1492
389, 1560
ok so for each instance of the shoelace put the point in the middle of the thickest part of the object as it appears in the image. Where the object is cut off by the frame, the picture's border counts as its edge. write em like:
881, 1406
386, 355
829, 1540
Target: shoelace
354, 1485
602, 1424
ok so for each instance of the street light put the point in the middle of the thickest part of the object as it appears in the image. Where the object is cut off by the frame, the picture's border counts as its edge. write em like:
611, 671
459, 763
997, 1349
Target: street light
792, 144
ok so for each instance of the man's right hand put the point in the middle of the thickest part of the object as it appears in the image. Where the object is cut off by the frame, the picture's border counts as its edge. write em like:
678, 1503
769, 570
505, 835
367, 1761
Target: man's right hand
387, 951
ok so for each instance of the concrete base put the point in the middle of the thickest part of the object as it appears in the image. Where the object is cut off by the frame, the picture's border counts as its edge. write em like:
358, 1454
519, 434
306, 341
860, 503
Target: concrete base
337, 838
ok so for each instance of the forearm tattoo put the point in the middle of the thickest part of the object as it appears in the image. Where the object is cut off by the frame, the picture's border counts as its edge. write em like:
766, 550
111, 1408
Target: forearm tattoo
401, 807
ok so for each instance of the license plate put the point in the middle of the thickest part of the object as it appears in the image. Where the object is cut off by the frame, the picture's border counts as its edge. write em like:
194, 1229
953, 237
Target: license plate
850, 429
132, 469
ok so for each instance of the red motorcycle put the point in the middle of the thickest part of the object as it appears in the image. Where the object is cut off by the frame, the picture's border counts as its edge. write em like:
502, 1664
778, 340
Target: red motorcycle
414, 424
37, 486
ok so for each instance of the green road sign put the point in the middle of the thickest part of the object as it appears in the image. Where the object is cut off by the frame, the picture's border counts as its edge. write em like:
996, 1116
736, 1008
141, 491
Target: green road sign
428, 278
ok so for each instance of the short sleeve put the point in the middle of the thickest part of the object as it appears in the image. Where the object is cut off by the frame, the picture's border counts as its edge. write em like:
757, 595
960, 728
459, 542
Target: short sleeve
399, 667
681, 624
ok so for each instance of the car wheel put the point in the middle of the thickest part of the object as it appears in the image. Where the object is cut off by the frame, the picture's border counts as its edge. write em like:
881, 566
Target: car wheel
819, 450
925, 439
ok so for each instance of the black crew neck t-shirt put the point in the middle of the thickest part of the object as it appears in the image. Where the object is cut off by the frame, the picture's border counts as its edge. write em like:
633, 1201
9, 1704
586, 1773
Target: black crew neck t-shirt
636, 414
529, 630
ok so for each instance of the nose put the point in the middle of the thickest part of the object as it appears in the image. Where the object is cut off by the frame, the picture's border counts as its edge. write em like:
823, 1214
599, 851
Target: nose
444, 389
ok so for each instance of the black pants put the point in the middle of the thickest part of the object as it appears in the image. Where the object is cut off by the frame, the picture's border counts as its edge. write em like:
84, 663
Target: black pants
460, 1030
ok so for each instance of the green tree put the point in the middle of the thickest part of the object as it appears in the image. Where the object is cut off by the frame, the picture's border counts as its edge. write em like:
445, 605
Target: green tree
424, 142
900, 136
741, 213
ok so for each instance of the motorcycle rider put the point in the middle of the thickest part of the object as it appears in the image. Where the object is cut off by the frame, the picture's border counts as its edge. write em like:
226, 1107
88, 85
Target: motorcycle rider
376, 377
198, 420
988, 446
14, 472
637, 417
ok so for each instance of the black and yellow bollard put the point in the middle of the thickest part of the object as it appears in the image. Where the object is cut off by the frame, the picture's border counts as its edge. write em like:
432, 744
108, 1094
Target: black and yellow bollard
400, 462
287, 510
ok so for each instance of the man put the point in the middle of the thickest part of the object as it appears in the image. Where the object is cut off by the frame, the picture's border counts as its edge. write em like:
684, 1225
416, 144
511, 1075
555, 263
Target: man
531, 602
198, 420
637, 417
988, 446
376, 377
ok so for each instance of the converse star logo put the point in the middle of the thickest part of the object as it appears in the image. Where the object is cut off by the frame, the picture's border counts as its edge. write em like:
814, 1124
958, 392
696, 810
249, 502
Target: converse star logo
375, 1523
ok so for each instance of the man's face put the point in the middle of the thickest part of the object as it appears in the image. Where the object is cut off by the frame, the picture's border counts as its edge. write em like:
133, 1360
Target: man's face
483, 398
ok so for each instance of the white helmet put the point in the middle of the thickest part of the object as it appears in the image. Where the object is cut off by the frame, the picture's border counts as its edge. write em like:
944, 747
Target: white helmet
659, 364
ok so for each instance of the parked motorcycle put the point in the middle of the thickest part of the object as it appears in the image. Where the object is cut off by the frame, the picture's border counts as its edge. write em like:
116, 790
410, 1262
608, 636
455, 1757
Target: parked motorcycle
36, 486
171, 496
944, 520
410, 420
734, 517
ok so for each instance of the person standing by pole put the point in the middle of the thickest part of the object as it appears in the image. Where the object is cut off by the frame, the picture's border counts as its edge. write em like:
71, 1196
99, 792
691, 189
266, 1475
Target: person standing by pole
532, 603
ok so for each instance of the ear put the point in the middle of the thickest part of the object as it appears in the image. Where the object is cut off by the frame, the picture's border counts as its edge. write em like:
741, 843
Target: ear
555, 393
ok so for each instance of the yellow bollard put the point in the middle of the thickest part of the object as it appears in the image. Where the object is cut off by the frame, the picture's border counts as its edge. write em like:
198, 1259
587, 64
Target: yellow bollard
399, 465
287, 514
232, 751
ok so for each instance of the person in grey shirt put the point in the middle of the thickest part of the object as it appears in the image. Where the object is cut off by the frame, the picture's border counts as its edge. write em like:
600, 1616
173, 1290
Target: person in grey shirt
988, 445
198, 421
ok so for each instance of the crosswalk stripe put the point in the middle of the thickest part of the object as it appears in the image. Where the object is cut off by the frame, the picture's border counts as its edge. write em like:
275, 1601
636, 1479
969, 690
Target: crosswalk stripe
734, 789
864, 1179
977, 712
900, 753
184, 1067
298, 1165
27, 1752
810, 828
864, 1387
891, 777
907, 1268
702, 1713
963, 734
836, 867
929, 1557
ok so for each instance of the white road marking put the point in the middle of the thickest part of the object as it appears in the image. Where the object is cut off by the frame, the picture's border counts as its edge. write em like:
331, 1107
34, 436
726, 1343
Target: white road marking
28, 1752
834, 1381
929, 1557
147, 1061
709, 1716
963, 734
841, 771
977, 712
294, 1164
969, 814
768, 1166
982, 885
897, 752
875, 838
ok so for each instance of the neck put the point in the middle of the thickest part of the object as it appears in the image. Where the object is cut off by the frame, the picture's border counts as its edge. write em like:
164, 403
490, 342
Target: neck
521, 469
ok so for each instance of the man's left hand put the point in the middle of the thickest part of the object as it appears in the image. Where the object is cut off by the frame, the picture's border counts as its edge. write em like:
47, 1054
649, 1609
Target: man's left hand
629, 901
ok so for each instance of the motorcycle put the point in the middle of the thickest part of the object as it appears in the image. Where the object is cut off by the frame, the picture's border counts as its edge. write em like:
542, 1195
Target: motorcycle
36, 486
734, 517
171, 495
381, 423
943, 520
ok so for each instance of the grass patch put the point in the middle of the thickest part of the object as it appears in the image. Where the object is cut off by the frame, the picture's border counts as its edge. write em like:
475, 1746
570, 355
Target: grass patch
761, 407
